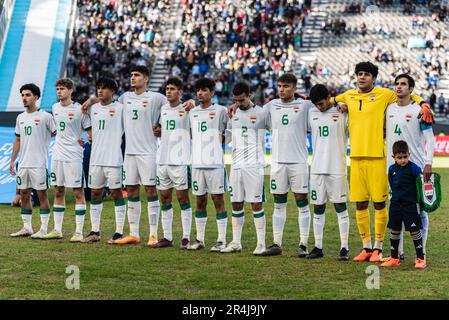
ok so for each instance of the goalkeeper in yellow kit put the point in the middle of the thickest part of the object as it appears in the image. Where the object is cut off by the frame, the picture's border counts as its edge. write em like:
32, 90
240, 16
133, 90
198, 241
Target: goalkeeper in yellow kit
368, 173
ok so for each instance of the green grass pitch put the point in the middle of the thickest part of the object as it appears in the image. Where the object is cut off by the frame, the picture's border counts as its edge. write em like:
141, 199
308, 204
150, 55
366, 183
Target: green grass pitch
34, 269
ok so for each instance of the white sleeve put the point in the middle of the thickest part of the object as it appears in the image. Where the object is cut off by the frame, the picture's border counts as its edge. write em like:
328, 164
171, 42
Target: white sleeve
223, 119
51, 124
121, 99
430, 145
17, 130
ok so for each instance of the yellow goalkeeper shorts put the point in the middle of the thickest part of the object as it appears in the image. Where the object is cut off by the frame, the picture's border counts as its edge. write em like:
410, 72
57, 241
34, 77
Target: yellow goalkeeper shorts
368, 179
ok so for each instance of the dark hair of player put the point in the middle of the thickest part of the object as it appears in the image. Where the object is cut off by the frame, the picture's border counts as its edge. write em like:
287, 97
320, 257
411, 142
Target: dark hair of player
141, 69
205, 83
400, 147
288, 78
318, 92
107, 83
411, 81
65, 82
367, 67
33, 88
241, 88
175, 81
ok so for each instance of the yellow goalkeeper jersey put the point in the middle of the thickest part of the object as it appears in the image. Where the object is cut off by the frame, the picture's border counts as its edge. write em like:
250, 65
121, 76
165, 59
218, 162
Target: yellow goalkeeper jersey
367, 118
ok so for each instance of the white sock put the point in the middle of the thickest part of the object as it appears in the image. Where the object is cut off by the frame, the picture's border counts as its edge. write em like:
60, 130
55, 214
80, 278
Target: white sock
45, 218
279, 217
95, 215
304, 224
26, 218
318, 227
425, 229
378, 245
200, 222
186, 219
238, 219
120, 215
80, 214
401, 240
222, 223
343, 226
260, 223
153, 215
167, 221
58, 216
134, 210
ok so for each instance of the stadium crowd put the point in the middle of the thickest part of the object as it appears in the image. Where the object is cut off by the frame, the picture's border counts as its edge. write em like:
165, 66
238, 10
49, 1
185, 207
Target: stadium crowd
109, 37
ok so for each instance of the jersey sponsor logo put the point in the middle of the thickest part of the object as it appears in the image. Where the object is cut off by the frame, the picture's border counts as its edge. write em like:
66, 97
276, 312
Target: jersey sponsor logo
391, 116
212, 115
314, 119
37, 120
22, 122
372, 97
408, 117
278, 108
164, 114
253, 119
335, 117
129, 102
195, 116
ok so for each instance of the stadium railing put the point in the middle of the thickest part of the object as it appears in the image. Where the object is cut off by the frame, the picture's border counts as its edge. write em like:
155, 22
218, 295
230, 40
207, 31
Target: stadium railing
6, 7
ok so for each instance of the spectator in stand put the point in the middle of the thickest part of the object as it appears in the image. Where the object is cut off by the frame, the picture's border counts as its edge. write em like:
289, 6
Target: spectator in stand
442, 104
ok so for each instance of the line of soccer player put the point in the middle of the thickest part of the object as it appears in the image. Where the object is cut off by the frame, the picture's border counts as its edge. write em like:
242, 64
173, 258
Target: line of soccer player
191, 148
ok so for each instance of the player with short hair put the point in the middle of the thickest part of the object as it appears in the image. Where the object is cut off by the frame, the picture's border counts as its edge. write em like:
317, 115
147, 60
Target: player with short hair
34, 129
67, 159
289, 167
248, 127
208, 122
368, 180
402, 124
173, 159
106, 160
404, 207
328, 179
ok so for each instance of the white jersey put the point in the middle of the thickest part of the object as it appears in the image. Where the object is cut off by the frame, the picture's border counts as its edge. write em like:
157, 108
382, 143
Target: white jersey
329, 141
141, 114
248, 136
289, 130
403, 124
207, 127
70, 123
35, 130
175, 136
107, 132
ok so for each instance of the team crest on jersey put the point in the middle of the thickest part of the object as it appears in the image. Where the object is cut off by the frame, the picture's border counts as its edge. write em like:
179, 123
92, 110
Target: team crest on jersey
408, 117
296, 108
37, 120
253, 119
181, 112
145, 103
71, 115
111, 112
372, 97
335, 117
212, 115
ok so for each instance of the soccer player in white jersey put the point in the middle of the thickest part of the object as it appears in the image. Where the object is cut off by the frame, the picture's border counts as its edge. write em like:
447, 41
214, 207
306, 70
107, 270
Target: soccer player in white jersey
208, 122
141, 113
246, 182
173, 159
34, 129
328, 180
106, 159
289, 167
67, 160
403, 124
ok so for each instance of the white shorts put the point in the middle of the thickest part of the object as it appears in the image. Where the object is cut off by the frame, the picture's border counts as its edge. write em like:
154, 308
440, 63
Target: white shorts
330, 187
285, 176
169, 177
212, 181
139, 170
32, 178
67, 174
246, 184
101, 176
